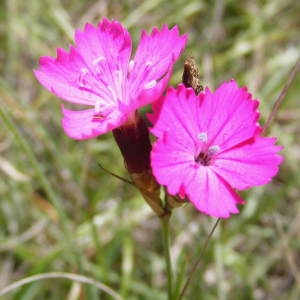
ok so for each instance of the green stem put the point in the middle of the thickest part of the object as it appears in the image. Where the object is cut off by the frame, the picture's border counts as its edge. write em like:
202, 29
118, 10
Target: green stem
165, 222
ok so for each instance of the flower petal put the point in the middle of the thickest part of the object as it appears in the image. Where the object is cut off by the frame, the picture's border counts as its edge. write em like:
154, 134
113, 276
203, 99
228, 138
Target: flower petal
177, 113
186, 157
110, 41
84, 124
147, 96
154, 58
106, 49
176, 169
169, 163
61, 76
229, 115
211, 194
251, 164
94, 70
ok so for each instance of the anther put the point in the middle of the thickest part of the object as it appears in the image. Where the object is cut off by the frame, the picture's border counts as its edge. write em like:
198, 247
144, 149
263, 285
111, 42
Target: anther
130, 66
213, 149
82, 74
203, 137
149, 85
99, 59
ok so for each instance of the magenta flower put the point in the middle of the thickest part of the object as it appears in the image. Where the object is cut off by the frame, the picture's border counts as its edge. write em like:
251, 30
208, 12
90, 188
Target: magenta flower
98, 73
210, 144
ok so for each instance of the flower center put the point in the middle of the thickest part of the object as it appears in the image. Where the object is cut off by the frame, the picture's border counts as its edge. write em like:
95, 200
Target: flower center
206, 153
203, 159
104, 84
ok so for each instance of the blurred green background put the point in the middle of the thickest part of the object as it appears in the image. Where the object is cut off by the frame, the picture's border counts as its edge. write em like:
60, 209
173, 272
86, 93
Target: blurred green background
60, 212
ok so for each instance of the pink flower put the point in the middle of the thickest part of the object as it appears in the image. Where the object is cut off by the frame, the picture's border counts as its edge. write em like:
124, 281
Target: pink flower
210, 144
98, 73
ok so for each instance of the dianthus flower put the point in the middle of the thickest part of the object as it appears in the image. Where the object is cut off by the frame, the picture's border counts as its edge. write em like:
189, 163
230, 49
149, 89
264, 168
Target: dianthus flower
98, 73
210, 144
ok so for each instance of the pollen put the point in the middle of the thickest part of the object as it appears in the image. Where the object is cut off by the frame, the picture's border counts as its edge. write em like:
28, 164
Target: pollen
149, 85
214, 149
130, 66
202, 136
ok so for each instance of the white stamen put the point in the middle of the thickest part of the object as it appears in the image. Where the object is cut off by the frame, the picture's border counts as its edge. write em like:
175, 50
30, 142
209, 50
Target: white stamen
202, 136
149, 85
130, 66
213, 149
114, 95
119, 76
97, 106
97, 60
98, 67
82, 74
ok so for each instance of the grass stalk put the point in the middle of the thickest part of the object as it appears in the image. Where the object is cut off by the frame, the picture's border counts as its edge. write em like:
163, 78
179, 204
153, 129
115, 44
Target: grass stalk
196, 264
53, 198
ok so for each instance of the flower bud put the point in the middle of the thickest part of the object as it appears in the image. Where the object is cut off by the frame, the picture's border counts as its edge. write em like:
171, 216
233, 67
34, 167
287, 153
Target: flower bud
134, 143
